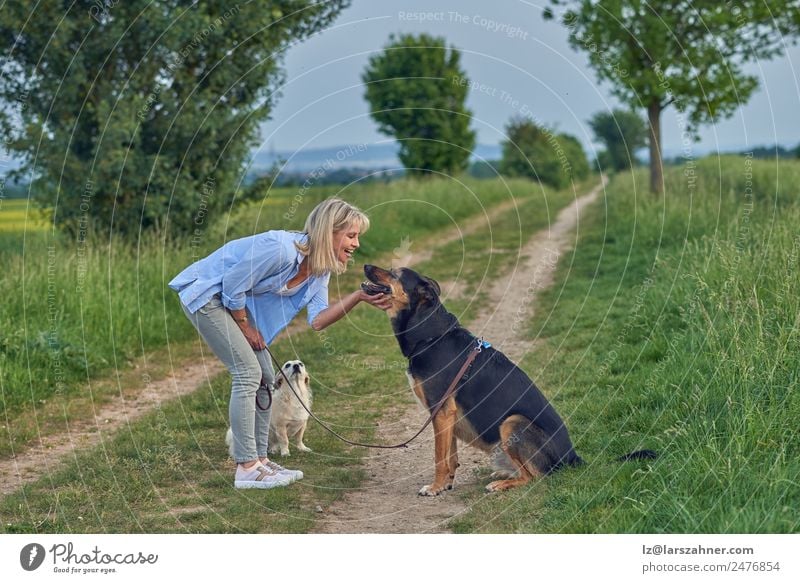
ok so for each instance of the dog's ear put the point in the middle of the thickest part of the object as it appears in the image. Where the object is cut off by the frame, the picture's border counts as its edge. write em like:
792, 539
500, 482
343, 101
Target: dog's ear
431, 287
278, 382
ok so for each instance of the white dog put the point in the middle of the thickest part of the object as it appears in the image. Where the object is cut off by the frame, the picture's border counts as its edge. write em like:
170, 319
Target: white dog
288, 418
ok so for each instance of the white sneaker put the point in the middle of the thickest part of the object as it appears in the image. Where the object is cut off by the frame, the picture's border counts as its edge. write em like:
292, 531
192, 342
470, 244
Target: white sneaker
259, 476
293, 475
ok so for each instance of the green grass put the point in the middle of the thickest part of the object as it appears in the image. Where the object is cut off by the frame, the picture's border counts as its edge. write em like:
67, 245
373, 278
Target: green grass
169, 473
673, 326
403, 208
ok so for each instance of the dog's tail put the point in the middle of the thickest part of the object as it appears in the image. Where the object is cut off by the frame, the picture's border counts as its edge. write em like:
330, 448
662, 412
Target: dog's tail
642, 454
229, 440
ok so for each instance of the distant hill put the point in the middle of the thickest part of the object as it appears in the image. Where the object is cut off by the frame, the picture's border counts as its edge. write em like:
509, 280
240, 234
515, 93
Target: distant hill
362, 156
679, 156
365, 157
349, 162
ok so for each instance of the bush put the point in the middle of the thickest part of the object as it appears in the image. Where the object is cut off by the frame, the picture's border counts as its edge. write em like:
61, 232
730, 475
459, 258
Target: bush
536, 152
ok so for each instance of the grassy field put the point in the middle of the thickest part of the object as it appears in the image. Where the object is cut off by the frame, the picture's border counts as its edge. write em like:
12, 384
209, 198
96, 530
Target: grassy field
674, 326
16, 216
169, 473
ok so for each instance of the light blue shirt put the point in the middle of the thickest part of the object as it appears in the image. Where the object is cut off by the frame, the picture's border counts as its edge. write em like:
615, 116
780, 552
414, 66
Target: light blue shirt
249, 272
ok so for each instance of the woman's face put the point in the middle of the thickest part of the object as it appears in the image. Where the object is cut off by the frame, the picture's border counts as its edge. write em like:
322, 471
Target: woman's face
345, 242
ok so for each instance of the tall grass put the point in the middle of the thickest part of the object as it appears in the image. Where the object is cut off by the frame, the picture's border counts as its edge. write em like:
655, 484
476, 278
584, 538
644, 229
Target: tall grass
75, 309
404, 207
674, 326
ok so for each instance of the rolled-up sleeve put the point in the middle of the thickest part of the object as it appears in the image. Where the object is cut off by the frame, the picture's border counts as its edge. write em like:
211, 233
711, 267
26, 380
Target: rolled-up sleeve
319, 301
262, 258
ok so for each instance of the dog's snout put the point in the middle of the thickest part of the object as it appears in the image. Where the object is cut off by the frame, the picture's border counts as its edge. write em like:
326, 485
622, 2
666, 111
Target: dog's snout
296, 367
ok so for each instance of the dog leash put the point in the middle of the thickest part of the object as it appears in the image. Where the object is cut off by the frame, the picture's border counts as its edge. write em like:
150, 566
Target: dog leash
264, 386
477, 349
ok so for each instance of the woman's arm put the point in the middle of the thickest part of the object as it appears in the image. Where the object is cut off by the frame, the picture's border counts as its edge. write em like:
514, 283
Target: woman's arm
338, 310
251, 333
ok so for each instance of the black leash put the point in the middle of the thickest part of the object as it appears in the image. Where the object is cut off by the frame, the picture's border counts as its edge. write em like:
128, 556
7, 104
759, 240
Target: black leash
264, 386
448, 393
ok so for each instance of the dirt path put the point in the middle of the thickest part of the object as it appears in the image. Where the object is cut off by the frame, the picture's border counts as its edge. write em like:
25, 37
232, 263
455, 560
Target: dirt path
42, 456
388, 501
45, 454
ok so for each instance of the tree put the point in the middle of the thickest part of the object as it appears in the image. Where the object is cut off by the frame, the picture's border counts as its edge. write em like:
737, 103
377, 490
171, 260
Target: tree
536, 152
129, 114
689, 53
484, 168
622, 132
416, 91
574, 155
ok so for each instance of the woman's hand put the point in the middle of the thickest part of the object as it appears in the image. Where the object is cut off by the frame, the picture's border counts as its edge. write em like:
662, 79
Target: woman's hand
253, 336
382, 301
251, 333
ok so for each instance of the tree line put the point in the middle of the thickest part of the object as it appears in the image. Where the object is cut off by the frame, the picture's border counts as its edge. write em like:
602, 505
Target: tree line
137, 115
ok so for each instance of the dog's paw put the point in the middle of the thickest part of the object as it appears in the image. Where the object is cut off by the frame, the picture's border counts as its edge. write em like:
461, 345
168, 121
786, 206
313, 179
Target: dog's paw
496, 486
503, 485
431, 490
503, 475
302, 447
285, 453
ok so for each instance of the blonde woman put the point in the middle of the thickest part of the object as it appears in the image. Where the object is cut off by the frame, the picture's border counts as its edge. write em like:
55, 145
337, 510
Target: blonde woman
240, 298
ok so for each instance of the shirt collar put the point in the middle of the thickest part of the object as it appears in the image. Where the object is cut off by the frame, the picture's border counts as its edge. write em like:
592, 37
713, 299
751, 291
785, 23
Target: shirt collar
300, 238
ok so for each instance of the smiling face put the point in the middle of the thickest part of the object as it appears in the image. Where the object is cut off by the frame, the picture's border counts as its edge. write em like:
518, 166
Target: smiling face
345, 242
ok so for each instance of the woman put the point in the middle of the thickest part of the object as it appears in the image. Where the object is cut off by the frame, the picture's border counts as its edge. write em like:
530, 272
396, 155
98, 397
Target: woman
240, 298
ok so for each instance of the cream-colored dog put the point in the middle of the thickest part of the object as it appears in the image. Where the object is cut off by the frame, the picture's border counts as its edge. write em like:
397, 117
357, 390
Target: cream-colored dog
288, 418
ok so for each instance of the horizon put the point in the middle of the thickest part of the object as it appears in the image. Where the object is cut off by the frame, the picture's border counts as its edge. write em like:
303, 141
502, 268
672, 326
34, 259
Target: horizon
311, 158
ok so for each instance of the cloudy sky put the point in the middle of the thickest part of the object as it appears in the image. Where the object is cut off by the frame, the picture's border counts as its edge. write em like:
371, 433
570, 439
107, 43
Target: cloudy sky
515, 61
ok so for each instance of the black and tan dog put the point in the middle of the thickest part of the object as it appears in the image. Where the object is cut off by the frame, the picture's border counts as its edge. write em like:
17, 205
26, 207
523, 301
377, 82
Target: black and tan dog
496, 407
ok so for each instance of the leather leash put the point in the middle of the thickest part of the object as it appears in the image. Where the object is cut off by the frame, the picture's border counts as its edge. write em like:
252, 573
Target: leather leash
448, 393
269, 394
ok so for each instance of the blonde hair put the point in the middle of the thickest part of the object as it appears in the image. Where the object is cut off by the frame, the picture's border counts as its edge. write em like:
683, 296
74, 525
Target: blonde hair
328, 217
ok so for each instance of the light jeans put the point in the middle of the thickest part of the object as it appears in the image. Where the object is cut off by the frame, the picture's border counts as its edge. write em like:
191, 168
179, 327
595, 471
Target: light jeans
249, 424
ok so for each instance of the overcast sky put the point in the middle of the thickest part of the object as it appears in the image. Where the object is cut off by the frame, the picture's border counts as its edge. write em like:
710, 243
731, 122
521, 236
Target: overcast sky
515, 60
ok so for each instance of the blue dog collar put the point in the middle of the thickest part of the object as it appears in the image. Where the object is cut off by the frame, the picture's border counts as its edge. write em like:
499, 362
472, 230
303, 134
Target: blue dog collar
482, 344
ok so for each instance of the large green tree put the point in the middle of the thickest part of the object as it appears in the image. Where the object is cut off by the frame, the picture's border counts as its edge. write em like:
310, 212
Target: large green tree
622, 132
416, 91
131, 114
686, 53
533, 151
